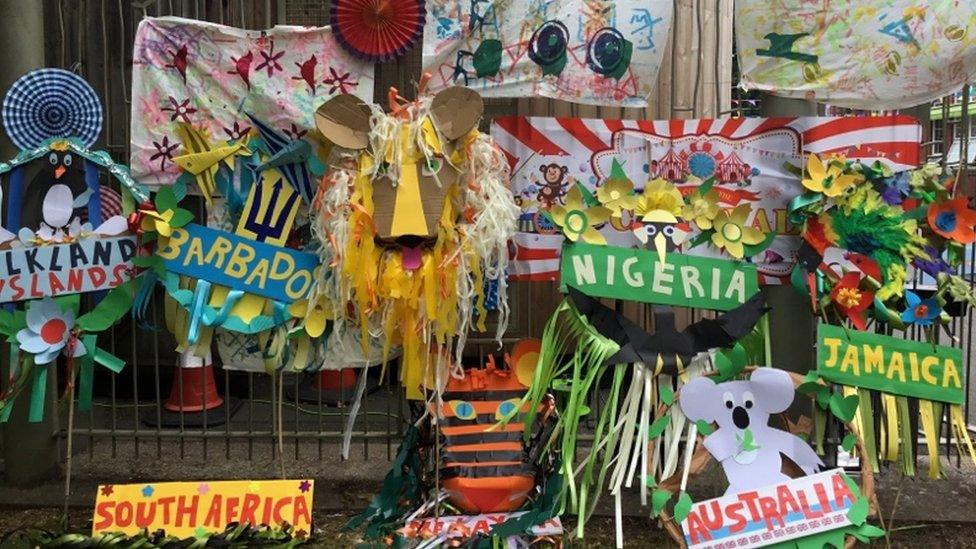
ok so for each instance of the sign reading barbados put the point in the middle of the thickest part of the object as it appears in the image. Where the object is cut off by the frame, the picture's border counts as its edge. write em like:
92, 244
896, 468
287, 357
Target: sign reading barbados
890, 364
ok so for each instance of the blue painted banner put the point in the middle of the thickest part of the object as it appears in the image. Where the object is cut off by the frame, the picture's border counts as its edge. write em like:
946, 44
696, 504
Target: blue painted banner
226, 259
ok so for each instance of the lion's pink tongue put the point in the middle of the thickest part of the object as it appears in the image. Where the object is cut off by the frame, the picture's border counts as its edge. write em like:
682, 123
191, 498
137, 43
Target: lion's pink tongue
411, 257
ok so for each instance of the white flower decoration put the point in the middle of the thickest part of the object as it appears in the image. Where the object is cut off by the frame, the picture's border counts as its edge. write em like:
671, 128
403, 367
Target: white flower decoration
48, 331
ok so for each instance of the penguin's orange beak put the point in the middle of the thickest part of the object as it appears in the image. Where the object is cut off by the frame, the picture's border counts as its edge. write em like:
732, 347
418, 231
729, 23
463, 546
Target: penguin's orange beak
59, 171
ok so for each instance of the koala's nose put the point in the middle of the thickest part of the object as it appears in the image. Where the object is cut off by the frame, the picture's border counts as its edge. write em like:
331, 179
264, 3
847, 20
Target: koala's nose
740, 417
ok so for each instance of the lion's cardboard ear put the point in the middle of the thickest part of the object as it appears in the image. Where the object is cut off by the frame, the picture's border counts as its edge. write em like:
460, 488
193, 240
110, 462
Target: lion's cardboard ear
344, 120
456, 111
524, 359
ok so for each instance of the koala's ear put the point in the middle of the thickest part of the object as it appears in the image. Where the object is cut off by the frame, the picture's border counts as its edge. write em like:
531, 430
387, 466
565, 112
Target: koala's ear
344, 120
772, 388
543, 168
699, 400
564, 169
456, 111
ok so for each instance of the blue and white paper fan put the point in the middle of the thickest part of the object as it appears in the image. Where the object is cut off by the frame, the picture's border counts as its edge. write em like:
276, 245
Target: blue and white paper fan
50, 103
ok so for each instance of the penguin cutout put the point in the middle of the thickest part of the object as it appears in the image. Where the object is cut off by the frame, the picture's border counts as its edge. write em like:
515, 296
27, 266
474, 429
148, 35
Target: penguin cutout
57, 197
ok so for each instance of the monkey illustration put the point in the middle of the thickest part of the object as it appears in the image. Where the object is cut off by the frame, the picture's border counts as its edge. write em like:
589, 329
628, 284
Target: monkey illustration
553, 184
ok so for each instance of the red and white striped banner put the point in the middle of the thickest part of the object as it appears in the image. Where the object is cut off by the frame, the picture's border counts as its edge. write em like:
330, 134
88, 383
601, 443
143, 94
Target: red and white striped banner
749, 158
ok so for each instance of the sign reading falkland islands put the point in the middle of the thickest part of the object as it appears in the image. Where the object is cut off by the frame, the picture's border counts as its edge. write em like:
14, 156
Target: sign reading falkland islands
49, 271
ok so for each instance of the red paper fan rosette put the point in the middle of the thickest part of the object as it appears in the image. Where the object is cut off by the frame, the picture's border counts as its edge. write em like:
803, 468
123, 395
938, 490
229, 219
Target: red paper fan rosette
378, 30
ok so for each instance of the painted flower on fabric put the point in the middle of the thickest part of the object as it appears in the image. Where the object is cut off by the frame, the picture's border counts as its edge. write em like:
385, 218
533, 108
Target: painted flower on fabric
921, 312
577, 220
618, 195
48, 331
953, 220
851, 300
830, 179
702, 209
661, 195
934, 265
732, 234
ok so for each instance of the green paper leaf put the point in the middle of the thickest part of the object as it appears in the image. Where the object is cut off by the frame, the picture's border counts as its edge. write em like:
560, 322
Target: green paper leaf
738, 356
868, 531
848, 443
704, 427
108, 311
706, 186
823, 399
180, 218
858, 512
724, 366
657, 428
659, 498
812, 376
755, 249
682, 507
666, 394
165, 199
844, 408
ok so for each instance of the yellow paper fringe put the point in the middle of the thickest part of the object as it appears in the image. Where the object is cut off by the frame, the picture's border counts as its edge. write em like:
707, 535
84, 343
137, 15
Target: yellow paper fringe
927, 418
889, 428
958, 422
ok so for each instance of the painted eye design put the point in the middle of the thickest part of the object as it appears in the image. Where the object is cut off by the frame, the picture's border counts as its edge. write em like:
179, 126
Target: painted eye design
463, 409
432, 166
53, 159
747, 399
668, 231
506, 408
651, 230
67, 160
727, 397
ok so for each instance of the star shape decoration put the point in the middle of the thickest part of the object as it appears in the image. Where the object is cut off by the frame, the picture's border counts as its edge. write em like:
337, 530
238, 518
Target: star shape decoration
295, 132
271, 59
180, 109
107, 490
304, 486
203, 488
148, 491
164, 152
344, 82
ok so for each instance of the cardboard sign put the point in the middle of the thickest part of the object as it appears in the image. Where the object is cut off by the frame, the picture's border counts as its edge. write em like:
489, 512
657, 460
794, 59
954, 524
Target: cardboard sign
637, 275
775, 513
890, 364
465, 526
185, 509
84, 266
223, 258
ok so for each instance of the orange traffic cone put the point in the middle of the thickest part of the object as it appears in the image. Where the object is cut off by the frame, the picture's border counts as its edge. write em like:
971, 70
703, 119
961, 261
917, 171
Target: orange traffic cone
194, 385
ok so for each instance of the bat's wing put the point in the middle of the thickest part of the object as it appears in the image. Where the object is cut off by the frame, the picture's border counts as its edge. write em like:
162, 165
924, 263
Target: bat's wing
291, 163
727, 328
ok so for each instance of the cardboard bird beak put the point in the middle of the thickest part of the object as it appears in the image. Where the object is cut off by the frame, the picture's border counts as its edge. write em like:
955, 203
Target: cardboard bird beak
59, 171
661, 245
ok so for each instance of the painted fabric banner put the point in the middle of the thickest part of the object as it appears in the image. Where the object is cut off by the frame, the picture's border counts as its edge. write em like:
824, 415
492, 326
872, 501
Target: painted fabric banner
748, 157
596, 52
213, 76
875, 54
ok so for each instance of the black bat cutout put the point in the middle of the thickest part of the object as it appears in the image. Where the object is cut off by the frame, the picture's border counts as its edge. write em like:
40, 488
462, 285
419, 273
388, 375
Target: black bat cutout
672, 346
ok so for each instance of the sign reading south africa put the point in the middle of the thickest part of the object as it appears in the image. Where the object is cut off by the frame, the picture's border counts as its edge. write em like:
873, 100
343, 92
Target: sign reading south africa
185, 509
47, 271
890, 364
638, 275
275, 272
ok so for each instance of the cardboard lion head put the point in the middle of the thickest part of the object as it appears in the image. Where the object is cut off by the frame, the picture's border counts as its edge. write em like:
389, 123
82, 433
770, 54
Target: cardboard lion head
415, 214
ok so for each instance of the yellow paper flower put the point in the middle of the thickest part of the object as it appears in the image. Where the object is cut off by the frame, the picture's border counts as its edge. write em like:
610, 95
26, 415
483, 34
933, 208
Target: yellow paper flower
830, 179
315, 317
661, 195
578, 221
159, 222
732, 234
617, 195
702, 209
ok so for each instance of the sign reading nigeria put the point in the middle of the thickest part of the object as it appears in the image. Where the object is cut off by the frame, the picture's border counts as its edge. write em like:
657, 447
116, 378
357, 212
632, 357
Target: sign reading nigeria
47, 271
270, 271
638, 275
890, 364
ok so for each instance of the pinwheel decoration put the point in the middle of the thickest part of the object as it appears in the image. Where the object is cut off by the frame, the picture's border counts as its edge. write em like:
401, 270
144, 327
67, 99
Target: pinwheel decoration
50, 103
378, 30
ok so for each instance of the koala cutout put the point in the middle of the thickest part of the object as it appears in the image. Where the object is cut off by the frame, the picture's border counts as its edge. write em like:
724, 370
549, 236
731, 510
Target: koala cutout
749, 450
